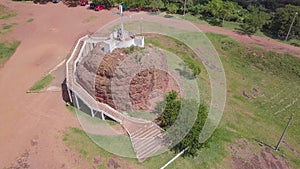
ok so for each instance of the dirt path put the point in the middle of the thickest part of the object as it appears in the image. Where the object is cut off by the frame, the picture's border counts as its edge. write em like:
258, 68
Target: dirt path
268, 44
41, 117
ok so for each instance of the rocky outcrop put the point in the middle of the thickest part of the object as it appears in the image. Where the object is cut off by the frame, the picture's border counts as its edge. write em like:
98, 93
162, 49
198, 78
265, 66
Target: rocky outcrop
134, 81
143, 84
105, 74
87, 68
130, 81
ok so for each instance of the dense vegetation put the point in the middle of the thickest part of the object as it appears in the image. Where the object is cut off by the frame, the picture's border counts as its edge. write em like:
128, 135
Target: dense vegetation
253, 15
169, 117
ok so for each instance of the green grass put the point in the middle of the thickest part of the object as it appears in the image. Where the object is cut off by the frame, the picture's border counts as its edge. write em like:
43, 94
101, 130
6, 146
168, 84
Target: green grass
176, 47
29, 20
264, 115
294, 42
5, 13
194, 19
7, 28
38, 86
79, 141
271, 82
7, 50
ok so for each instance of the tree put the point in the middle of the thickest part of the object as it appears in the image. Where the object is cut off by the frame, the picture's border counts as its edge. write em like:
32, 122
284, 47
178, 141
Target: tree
157, 4
197, 10
192, 139
171, 110
227, 9
170, 116
218, 11
136, 3
282, 20
255, 20
172, 8
271, 5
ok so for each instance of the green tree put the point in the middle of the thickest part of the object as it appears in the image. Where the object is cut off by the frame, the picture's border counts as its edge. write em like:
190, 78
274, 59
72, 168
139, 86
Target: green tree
136, 3
170, 116
255, 20
271, 5
197, 10
171, 110
107, 3
218, 11
282, 20
157, 4
172, 8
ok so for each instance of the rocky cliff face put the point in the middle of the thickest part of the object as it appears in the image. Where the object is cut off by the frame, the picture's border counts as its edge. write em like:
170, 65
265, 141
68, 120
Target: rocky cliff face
87, 68
143, 84
104, 76
130, 81
133, 81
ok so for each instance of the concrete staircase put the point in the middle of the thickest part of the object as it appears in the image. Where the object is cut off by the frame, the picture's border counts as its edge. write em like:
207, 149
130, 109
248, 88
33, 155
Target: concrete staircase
147, 141
146, 136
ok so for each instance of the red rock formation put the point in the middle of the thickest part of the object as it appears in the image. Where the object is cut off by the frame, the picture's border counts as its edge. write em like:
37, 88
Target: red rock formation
145, 85
104, 76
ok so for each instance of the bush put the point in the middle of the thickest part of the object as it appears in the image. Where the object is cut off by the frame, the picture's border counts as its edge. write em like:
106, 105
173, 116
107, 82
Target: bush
172, 8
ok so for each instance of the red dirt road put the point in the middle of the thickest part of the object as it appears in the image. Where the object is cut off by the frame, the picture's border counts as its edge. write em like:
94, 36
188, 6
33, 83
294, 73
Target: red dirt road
45, 42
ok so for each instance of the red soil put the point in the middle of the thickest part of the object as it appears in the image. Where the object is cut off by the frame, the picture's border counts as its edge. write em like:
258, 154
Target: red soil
45, 42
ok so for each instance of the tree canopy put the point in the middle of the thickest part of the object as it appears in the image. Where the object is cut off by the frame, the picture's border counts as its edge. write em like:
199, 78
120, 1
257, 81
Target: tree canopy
171, 116
273, 17
282, 21
255, 20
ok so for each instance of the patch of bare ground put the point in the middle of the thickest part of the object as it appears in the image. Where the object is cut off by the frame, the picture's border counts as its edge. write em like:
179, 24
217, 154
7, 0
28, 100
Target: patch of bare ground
245, 155
44, 43
119, 163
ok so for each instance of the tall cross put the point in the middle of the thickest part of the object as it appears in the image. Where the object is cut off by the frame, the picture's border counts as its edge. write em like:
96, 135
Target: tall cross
121, 21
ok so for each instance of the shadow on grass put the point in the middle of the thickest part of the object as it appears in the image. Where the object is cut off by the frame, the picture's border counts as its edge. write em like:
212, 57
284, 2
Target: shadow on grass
261, 143
168, 16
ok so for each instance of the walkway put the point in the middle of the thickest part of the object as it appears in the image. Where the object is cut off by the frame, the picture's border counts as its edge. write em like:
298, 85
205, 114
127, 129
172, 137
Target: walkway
146, 136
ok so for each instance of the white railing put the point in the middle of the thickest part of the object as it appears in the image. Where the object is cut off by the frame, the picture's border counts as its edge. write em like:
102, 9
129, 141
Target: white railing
86, 40
67, 65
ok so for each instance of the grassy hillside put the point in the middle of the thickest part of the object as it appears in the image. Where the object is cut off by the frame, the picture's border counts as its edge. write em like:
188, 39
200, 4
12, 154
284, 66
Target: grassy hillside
263, 90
